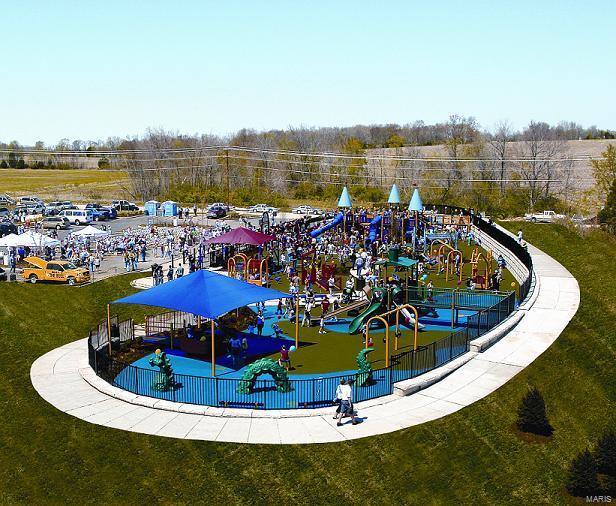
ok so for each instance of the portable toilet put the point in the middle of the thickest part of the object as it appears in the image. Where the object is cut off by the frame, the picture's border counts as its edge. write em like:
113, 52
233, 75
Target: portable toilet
151, 207
170, 208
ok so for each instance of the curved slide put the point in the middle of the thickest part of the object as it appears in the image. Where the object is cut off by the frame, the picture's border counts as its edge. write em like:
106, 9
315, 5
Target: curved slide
336, 221
377, 306
372, 310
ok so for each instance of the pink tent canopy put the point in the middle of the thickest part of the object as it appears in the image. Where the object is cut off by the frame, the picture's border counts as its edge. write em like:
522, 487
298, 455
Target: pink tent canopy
241, 235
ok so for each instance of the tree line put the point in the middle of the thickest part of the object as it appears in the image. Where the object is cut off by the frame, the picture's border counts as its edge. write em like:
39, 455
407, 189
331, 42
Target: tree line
501, 168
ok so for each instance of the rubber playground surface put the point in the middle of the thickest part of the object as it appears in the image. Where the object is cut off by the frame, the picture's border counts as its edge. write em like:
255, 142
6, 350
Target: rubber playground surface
329, 354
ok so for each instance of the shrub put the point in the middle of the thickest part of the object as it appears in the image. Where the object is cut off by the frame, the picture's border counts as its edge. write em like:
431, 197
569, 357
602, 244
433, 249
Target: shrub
606, 454
104, 163
531, 414
4, 165
583, 475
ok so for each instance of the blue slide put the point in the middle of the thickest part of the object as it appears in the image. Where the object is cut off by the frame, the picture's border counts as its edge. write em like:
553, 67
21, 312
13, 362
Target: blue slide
374, 227
336, 221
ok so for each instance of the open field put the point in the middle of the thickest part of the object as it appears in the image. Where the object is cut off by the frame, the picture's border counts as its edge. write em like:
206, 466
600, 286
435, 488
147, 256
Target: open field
473, 456
74, 184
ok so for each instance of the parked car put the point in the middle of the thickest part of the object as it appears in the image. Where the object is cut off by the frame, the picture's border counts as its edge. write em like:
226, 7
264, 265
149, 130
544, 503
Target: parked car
53, 208
64, 272
29, 209
78, 216
6, 200
263, 208
57, 222
544, 217
7, 228
99, 212
30, 200
216, 212
4, 212
124, 205
218, 204
306, 210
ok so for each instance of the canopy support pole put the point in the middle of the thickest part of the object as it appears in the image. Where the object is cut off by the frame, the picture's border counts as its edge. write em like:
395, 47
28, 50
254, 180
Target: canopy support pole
213, 349
297, 322
109, 327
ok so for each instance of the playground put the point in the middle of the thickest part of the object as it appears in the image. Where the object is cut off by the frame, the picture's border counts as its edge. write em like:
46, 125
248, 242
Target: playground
376, 297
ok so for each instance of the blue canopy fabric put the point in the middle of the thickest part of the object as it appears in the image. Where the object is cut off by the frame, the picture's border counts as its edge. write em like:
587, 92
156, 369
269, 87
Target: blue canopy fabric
204, 293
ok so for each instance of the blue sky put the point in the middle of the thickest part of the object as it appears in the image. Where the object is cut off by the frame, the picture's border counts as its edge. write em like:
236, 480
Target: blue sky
89, 70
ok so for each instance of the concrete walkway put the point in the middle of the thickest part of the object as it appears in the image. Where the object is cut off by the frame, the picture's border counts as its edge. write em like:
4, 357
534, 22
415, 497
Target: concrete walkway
64, 379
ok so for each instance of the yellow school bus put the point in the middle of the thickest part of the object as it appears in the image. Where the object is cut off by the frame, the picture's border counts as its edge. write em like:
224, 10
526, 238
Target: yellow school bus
55, 270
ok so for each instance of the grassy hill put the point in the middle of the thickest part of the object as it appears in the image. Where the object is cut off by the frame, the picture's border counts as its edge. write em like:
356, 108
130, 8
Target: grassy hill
474, 456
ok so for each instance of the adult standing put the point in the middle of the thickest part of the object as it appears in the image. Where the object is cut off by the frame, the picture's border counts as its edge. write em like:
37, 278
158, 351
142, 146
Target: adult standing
260, 323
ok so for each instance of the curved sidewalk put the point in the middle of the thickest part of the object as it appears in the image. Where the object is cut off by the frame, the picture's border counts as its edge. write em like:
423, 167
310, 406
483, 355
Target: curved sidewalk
58, 377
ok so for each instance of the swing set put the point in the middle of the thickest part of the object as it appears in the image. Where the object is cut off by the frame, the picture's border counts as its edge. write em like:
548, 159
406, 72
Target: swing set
450, 267
482, 281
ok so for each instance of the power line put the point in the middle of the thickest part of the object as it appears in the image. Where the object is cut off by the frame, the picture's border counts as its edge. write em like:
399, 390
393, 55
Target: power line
106, 153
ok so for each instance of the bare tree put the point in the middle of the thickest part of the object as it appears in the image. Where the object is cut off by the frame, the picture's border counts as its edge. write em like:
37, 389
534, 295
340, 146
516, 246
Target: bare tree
498, 147
539, 148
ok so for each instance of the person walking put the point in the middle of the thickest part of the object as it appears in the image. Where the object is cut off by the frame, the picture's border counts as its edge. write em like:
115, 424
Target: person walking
179, 271
344, 393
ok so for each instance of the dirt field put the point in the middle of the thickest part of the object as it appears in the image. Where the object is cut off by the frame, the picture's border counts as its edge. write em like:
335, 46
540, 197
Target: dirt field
76, 185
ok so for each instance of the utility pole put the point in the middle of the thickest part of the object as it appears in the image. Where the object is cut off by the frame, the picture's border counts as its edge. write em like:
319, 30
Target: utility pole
227, 175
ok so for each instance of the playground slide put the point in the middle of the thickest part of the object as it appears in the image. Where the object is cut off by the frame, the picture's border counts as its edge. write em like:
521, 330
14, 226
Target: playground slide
374, 227
373, 309
336, 221
410, 318
396, 296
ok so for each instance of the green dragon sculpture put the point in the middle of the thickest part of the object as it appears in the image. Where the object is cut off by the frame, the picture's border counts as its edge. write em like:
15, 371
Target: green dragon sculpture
164, 380
264, 366
364, 368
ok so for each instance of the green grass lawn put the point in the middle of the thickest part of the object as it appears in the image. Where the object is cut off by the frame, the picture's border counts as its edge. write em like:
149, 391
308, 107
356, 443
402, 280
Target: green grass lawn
473, 456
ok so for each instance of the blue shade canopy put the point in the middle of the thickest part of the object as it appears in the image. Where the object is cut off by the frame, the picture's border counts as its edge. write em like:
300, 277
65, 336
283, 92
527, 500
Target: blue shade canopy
416, 204
203, 293
345, 198
394, 195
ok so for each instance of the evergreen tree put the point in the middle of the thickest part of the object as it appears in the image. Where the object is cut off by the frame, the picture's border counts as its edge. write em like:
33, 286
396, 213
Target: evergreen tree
583, 475
606, 454
21, 164
532, 416
12, 160
607, 215
4, 165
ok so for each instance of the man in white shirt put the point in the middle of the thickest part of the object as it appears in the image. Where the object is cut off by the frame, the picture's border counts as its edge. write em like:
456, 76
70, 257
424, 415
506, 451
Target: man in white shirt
344, 393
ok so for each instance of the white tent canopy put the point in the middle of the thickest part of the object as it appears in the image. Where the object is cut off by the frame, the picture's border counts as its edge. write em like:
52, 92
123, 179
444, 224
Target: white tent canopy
29, 239
90, 231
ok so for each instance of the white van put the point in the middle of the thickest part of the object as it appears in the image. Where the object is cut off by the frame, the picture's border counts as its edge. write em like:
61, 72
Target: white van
77, 216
